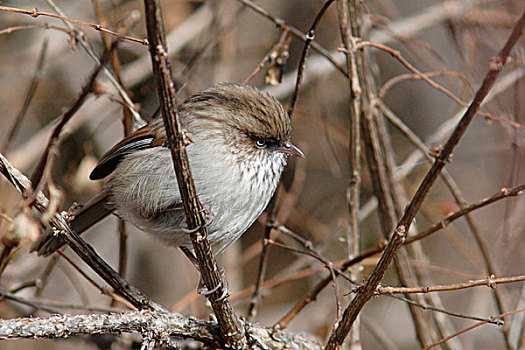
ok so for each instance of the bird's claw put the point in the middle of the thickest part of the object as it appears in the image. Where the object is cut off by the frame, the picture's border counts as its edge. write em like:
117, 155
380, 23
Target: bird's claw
202, 289
208, 219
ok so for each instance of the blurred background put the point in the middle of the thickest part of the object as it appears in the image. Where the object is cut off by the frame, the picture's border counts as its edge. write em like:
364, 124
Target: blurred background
44, 63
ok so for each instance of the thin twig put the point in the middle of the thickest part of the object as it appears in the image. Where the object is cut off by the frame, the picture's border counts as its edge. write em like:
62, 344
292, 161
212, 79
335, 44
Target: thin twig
425, 77
310, 36
296, 32
80, 38
446, 312
399, 78
35, 13
29, 96
473, 327
53, 139
489, 282
272, 211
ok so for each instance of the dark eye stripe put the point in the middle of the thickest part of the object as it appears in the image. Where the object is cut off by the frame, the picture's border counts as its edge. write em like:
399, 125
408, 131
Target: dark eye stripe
268, 142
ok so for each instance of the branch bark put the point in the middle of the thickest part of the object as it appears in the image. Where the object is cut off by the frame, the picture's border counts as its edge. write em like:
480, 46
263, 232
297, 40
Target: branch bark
164, 325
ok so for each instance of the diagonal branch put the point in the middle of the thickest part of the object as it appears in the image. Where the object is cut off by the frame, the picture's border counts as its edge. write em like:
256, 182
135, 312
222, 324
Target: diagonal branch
396, 241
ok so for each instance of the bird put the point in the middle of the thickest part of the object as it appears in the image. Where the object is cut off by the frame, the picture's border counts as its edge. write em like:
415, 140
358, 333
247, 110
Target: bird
239, 139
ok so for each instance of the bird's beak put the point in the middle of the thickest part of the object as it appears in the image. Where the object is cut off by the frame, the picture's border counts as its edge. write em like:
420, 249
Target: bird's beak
290, 148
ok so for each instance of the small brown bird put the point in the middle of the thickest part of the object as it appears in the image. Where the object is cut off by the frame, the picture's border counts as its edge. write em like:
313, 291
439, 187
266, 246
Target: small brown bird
240, 139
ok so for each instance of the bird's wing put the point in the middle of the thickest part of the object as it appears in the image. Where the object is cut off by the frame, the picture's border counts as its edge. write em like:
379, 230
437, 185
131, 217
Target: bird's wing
143, 138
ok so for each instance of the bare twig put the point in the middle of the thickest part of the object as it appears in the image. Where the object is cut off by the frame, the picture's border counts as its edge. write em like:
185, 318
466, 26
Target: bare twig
29, 96
296, 32
473, 327
80, 37
272, 210
446, 312
53, 140
439, 87
35, 13
278, 50
310, 36
489, 282
399, 78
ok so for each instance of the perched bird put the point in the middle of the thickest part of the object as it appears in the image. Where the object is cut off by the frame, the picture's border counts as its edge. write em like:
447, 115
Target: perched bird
239, 143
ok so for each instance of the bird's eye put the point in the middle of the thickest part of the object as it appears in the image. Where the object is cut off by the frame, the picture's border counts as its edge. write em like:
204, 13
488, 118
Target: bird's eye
260, 143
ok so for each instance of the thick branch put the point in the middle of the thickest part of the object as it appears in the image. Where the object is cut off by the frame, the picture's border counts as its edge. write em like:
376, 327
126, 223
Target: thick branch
162, 324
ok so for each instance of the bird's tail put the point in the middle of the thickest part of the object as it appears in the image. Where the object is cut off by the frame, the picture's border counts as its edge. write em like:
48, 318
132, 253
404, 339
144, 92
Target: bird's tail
89, 214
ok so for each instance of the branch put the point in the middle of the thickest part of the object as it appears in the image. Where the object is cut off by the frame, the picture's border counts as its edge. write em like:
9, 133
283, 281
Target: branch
396, 241
489, 282
231, 332
312, 295
473, 327
79, 246
164, 325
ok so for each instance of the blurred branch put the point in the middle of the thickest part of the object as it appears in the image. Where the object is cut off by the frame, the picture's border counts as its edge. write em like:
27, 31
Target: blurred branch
13, 29
53, 140
186, 33
296, 32
445, 312
354, 183
403, 77
279, 52
425, 77
80, 37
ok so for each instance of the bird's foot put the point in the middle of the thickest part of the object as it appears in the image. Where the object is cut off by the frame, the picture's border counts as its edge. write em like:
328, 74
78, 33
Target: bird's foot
208, 219
202, 289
